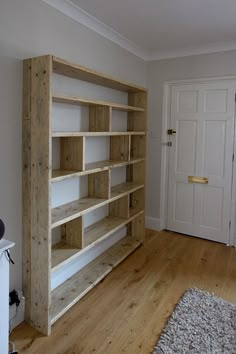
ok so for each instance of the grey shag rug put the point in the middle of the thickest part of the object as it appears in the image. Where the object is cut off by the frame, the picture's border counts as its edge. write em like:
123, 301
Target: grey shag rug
201, 324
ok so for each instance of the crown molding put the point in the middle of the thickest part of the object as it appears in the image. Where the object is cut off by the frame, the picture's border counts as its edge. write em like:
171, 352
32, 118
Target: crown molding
210, 48
76, 13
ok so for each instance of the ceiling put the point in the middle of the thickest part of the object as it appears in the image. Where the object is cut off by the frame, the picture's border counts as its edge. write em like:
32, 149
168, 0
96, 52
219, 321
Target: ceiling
154, 29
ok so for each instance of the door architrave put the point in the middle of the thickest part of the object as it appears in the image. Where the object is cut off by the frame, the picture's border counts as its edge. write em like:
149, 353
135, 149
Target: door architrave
165, 152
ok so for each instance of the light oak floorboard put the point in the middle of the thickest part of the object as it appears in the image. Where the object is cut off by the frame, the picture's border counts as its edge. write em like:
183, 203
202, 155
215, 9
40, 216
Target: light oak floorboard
127, 311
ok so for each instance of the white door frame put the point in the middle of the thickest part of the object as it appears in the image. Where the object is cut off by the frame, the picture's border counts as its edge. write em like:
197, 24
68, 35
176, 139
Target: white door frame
165, 153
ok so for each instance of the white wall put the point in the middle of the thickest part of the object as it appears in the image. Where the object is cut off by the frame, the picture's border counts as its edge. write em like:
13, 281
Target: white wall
30, 28
198, 66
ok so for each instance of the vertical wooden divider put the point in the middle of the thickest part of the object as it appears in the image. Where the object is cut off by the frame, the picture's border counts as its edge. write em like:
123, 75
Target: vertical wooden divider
119, 148
36, 191
100, 118
136, 228
135, 173
138, 146
136, 201
99, 185
73, 153
120, 207
137, 121
74, 232
138, 99
26, 186
129, 148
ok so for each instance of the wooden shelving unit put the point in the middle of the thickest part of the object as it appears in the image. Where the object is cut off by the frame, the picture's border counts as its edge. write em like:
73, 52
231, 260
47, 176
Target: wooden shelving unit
125, 202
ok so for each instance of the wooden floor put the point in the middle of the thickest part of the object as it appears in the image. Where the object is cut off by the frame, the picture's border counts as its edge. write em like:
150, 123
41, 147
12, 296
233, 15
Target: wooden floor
127, 311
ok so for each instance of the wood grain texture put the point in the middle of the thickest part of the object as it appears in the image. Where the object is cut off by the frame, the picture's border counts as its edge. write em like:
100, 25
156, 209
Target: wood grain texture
138, 147
99, 119
92, 167
37, 98
75, 134
59, 98
138, 99
74, 233
94, 234
120, 207
61, 253
137, 121
140, 294
72, 210
76, 71
120, 148
104, 228
99, 185
72, 153
136, 227
124, 188
136, 201
136, 173
72, 290
26, 184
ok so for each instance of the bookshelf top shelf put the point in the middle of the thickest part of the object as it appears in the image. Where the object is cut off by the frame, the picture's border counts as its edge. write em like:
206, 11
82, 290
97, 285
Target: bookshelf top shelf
64, 67
76, 100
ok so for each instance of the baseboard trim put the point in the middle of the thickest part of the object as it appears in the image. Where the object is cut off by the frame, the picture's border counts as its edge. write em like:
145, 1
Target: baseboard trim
153, 223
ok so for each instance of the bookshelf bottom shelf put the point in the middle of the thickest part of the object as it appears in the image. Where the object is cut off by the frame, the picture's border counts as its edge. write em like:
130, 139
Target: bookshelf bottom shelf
73, 289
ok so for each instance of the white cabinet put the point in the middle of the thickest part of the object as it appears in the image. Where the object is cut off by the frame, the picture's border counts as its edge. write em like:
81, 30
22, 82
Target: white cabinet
4, 303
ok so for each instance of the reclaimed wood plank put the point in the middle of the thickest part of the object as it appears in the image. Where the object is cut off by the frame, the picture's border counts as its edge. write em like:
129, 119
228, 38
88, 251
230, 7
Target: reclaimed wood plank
72, 154
76, 100
58, 175
99, 118
73, 289
62, 253
38, 104
72, 210
72, 134
63, 67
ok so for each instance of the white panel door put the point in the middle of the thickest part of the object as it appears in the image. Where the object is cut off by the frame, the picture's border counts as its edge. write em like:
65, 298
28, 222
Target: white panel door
203, 117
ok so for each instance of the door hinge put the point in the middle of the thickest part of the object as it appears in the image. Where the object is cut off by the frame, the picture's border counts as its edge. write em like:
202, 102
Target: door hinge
229, 224
233, 158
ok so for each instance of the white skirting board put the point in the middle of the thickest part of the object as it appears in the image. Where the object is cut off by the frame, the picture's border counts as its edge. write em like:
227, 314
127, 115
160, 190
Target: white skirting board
152, 223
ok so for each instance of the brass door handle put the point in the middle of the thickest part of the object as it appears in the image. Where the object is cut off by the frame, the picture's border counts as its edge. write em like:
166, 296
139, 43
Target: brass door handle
197, 179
